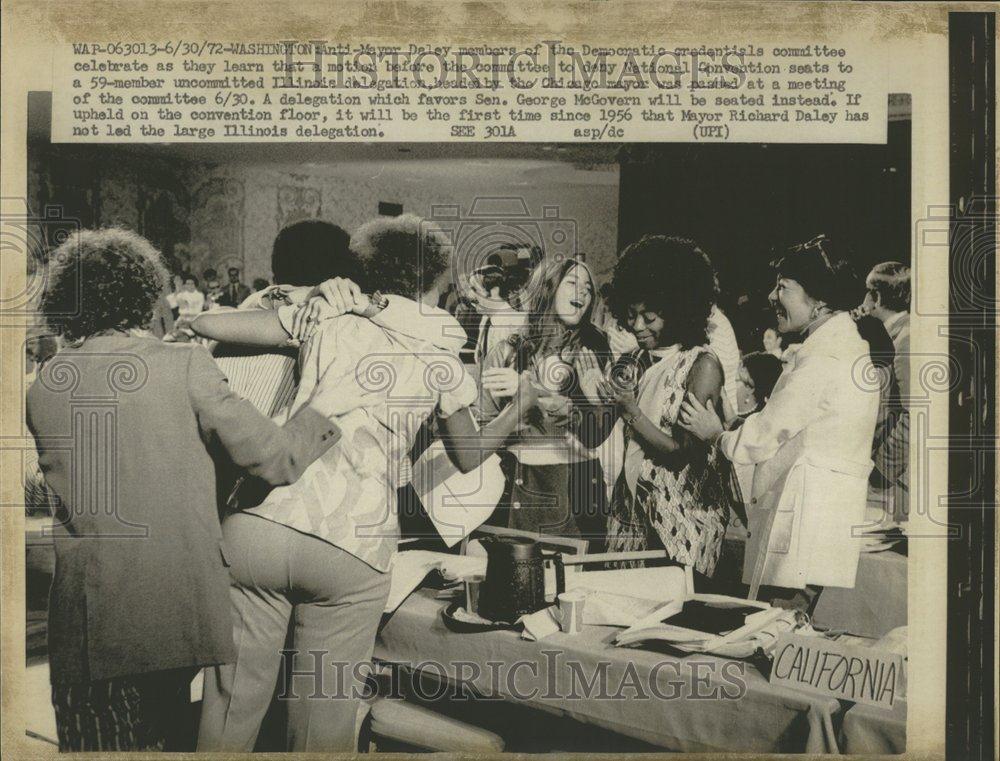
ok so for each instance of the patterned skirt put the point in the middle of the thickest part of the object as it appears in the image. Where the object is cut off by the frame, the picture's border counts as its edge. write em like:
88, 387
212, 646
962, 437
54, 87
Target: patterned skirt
670, 510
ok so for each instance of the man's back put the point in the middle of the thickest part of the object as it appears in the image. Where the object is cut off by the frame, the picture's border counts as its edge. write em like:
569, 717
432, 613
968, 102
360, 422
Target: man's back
348, 496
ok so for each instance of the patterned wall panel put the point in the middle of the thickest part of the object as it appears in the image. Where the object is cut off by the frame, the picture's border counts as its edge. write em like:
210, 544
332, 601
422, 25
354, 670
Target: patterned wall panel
296, 203
218, 217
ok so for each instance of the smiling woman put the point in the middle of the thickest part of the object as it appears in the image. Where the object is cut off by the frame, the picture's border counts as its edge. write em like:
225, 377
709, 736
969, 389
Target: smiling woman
673, 493
558, 483
809, 287
811, 441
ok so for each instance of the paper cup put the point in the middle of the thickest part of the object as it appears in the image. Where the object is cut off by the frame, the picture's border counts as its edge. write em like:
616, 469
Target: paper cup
571, 611
472, 585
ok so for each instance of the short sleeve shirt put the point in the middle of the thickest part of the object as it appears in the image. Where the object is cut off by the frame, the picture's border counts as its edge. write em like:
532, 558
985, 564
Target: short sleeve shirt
348, 496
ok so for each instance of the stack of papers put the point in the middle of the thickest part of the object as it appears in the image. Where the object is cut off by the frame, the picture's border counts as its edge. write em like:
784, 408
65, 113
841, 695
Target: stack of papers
410, 568
760, 629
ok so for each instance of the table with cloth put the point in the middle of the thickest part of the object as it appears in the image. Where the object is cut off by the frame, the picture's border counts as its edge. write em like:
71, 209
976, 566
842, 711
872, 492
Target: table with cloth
874, 606
873, 731
764, 718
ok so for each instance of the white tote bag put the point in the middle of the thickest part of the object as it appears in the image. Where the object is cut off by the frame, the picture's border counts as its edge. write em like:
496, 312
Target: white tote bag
457, 503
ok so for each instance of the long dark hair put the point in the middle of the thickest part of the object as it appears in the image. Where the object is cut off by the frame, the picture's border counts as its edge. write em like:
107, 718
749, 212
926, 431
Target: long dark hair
544, 335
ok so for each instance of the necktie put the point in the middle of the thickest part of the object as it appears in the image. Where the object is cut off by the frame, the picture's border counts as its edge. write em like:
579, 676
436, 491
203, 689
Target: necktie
484, 336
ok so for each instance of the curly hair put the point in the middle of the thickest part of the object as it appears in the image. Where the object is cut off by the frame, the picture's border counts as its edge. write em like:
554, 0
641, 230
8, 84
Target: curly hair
99, 280
670, 276
403, 255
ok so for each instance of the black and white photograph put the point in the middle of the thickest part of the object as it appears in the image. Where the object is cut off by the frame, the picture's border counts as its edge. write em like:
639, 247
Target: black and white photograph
496, 445
491, 431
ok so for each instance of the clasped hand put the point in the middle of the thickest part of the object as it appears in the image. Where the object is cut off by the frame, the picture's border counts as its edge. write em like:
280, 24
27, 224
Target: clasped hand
506, 382
331, 298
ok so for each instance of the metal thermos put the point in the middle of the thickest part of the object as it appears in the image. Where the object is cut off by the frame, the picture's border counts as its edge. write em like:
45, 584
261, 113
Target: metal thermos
515, 578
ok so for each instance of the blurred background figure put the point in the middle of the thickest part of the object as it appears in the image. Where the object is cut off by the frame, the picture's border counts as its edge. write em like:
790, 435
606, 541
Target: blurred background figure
162, 323
259, 284
462, 305
176, 286
235, 292
759, 372
499, 321
190, 301
887, 299
39, 346
211, 287
772, 342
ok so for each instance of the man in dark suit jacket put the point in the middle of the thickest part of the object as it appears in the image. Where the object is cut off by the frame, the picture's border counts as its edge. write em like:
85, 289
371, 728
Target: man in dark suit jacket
234, 293
129, 430
887, 297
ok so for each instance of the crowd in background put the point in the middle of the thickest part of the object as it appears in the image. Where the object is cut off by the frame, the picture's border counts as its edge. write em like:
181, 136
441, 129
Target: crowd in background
624, 414
188, 297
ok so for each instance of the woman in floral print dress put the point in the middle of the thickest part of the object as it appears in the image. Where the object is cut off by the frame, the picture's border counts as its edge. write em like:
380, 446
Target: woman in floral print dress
673, 492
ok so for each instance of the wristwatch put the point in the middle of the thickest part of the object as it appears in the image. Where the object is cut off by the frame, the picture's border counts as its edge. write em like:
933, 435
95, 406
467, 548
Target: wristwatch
376, 303
630, 418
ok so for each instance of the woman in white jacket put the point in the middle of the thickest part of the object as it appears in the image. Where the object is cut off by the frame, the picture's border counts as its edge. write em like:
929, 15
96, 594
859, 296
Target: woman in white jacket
811, 443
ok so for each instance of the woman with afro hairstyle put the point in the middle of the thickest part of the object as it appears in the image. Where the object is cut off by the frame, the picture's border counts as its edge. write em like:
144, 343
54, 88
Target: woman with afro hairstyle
672, 493
126, 427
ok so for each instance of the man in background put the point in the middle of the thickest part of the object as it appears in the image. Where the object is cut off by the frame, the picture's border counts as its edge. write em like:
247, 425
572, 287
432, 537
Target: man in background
212, 288
887, 298
500, 320
235, 291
